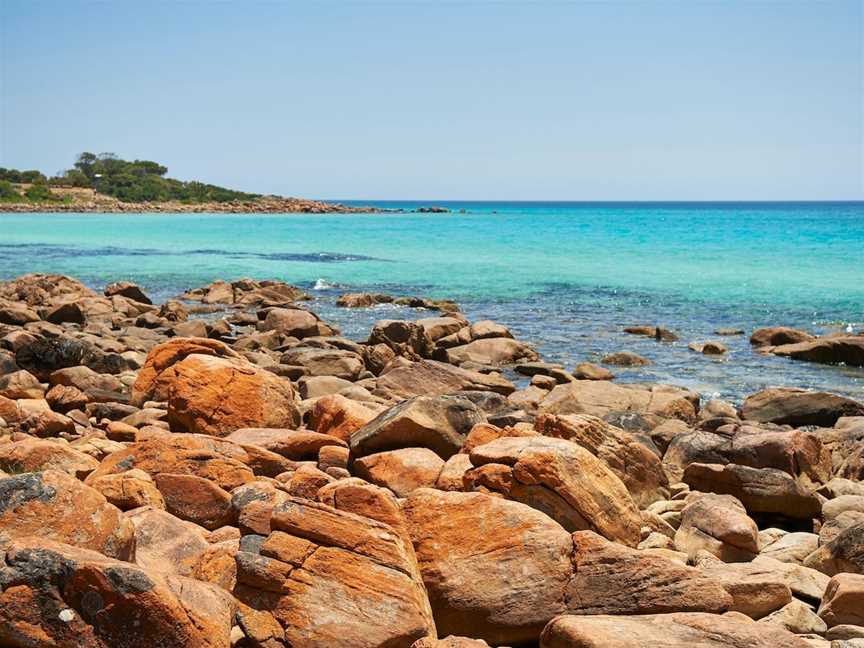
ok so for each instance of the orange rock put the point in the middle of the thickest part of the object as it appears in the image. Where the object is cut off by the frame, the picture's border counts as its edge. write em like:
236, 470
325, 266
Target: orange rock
402, 471
216, 391
33, 455
214, 459
339, 416
292, 444
195, 499
55, 506
483, 433
58, 595
494, 569
129, 490
568, 483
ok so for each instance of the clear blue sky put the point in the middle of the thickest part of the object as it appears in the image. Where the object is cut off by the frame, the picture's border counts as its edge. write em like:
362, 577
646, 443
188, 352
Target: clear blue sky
436, 99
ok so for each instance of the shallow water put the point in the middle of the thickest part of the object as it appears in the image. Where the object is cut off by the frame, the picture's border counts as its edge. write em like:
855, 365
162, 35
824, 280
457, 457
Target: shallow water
564, 276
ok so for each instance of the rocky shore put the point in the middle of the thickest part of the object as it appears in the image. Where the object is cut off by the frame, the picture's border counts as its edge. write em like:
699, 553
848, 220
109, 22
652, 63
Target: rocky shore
88, 201
224, 469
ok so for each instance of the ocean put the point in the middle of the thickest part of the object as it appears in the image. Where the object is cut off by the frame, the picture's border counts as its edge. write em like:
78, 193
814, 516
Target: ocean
566, 277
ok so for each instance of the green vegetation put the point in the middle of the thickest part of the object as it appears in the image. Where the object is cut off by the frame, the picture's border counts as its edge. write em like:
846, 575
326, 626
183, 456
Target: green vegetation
135, 181
140, 181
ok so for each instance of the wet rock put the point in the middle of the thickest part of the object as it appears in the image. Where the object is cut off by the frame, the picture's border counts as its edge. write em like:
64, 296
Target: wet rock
827, 350
625, 359
777, 335
362, 300
712, 347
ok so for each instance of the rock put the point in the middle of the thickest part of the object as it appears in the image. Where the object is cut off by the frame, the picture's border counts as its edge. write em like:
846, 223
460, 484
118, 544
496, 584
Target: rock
86, 380
41, 357
214, 395
339, 417
791, 547
195, 499
407, 339
843, 602
164, 543
634, 464
54, 506
449, 642
494, 569
298, 445
362, 300
223, 463
719, 525
798, 407
805, 583
333, 578
602, 398
797, 617
625, 359
70, 312
493, 351
761, 490
402, 471
17, 315
129, 490
756, 591
31, 455
845, 553
428, 377
21, 384
848, 350
611, 579
59, 595
439, 423
681, 630
729, 331
798, 453
589, 371
566, 482
712, 347
325, 362
127, 289
777, 335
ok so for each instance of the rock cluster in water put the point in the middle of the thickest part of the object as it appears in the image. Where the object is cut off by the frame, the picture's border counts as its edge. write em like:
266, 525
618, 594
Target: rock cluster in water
253, 479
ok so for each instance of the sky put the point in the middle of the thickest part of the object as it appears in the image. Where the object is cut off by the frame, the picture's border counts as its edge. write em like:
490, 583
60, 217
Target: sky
438, 99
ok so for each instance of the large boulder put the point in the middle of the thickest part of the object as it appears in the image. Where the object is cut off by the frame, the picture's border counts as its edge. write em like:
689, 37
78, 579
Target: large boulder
407, 339
565, 481
54, 506
54, 594
611, 579
845, 553
428, 377
795, 452
333, 578
718, 524
439, 423
760, 490
494, 569
33, 455
339, 416
798, 407
214, 392
631, 460
601, 398
681, 630
493, 351
843, 602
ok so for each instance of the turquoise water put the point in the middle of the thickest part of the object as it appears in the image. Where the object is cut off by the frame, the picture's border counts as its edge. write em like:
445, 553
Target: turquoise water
564, 276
